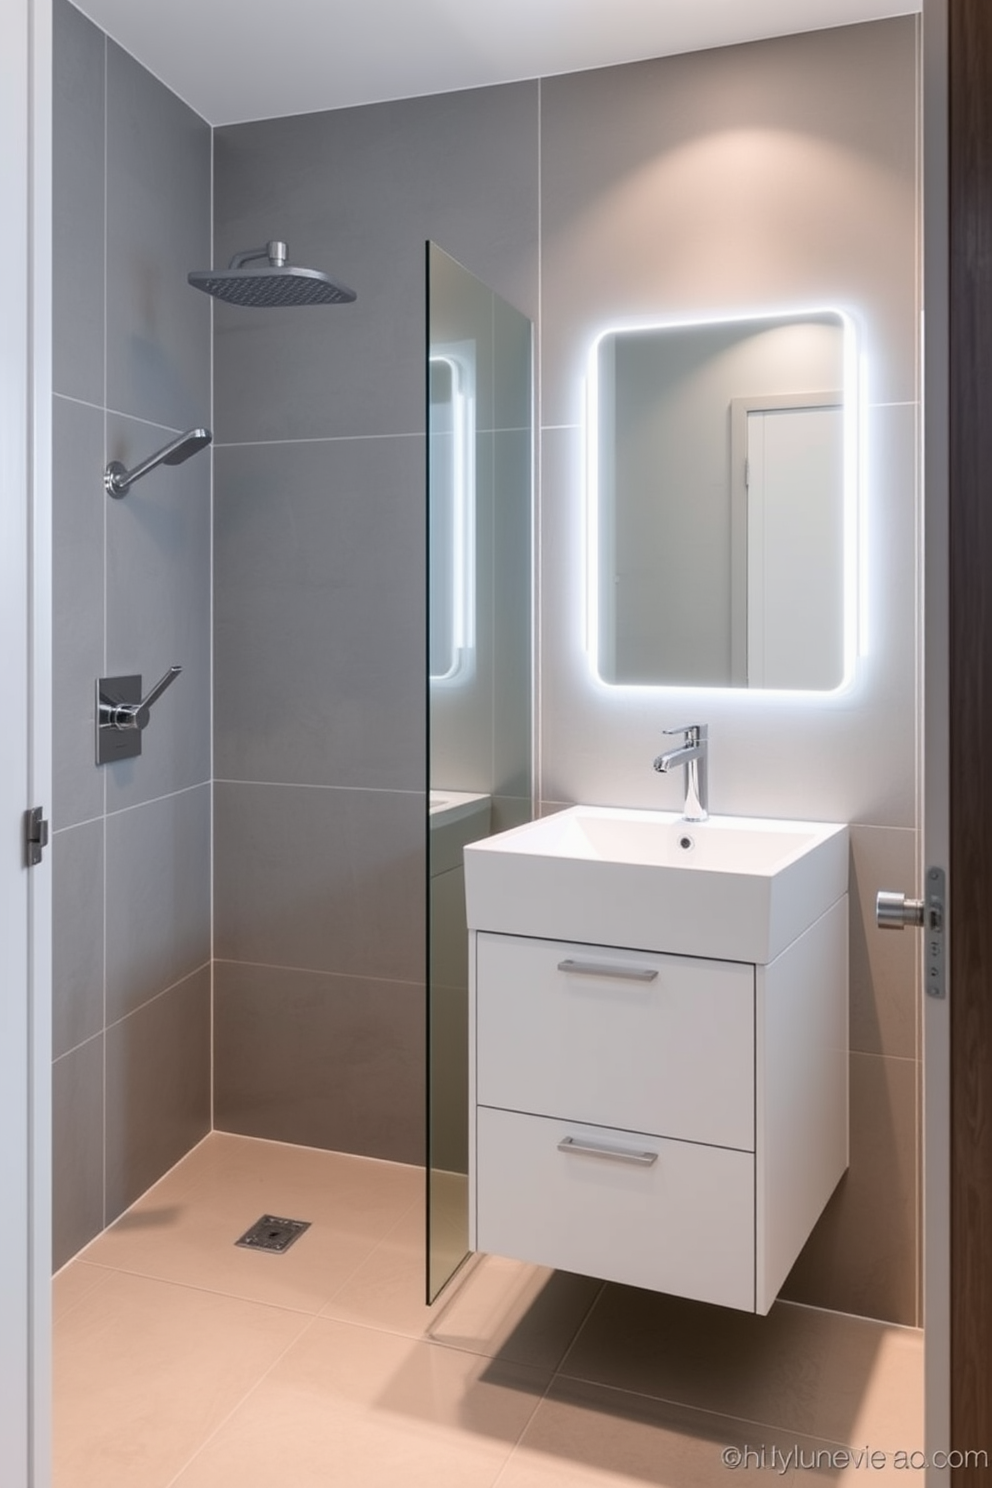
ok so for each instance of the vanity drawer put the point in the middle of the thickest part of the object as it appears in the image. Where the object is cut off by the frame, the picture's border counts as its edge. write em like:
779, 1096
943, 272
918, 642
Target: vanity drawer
682, 1222
628, 1039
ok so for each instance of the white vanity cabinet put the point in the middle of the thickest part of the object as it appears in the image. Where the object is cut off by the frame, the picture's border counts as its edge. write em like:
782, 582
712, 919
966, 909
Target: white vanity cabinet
668, 1121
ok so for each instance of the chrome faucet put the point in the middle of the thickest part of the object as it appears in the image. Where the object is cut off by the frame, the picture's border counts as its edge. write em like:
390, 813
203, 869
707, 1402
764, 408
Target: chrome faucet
692, 753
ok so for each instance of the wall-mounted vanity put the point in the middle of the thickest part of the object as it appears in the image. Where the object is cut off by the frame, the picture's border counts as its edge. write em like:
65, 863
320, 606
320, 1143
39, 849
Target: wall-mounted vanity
658, 1027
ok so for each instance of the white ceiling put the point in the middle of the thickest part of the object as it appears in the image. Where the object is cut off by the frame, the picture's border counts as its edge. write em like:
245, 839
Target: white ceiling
255, 59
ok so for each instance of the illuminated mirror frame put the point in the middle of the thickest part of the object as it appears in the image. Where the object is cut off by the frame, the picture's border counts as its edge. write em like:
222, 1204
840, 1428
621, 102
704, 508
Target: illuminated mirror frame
855, 610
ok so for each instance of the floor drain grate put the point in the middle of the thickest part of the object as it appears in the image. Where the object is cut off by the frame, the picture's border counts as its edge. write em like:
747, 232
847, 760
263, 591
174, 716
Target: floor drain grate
271, 1233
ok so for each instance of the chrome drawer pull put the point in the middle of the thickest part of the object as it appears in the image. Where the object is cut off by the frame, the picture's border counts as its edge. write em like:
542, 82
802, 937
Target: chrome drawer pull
604, 969
618, 1154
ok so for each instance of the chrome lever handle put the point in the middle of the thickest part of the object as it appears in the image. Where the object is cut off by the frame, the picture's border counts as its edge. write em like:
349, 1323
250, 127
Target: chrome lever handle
894, 911
694, 732
136, 715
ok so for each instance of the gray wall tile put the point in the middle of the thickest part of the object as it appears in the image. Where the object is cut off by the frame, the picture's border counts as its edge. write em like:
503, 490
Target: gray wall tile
131, 586
327, 1061
357, 192
77, 924
158, 897
319, 613
158, 228
158, 611
77, 1150
78, 502
862, 1255
78, 94
158, 1088
886, 978
322, 880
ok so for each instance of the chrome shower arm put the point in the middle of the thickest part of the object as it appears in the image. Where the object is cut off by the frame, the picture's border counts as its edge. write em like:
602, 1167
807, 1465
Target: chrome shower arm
117, 479
275, 252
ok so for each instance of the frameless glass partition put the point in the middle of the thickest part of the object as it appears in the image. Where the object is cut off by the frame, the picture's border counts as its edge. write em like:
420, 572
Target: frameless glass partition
479, 469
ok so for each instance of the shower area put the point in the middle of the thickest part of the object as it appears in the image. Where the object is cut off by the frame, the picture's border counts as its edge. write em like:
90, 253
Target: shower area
241, 892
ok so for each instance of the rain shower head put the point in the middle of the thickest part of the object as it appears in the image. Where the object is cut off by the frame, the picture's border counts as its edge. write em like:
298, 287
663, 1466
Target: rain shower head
274, 284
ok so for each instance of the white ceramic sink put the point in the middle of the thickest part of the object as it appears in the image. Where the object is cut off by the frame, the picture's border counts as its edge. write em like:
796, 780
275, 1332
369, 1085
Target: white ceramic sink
735, 888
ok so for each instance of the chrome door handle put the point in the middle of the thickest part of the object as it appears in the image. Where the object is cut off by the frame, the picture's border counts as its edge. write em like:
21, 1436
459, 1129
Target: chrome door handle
607, 969
894, 911
617, 1154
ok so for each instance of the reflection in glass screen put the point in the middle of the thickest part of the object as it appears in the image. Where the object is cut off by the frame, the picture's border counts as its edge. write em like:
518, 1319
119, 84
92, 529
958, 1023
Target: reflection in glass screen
451, 511
479, 445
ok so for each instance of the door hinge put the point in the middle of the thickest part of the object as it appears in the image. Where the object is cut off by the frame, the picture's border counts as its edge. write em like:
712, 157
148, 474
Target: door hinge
36, 835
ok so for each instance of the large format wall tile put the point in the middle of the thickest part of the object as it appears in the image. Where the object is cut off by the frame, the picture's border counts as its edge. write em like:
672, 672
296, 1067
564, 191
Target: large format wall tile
848, 756
158, 1088
77, 1149
78, 500
77, 935
862, 1255
131, 582
768, 175
325, 1061
319, 613
320, 879
158, 228
356, 192
78, 92
886, 978
158, 897
158, 611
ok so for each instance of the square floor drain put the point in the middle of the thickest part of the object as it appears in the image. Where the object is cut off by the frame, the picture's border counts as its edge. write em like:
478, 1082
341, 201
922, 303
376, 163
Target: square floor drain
272, 1233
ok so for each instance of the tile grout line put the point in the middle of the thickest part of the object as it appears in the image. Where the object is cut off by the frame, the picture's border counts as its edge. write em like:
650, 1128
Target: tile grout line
106, 538
702, 1410
212, 1435
352, 976
211, 647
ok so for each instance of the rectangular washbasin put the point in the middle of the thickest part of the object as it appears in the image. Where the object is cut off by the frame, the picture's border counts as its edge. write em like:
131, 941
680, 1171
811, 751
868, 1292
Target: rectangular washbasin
735, 888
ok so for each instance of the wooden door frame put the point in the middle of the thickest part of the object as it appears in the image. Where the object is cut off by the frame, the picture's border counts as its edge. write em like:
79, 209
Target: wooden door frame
964, 464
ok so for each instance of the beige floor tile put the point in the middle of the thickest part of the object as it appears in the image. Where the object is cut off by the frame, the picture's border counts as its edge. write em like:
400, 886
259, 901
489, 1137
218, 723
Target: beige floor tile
184, 1229
351, 1407
587, 1436
524, 1314
145, 1370
844, 1379
73, 1283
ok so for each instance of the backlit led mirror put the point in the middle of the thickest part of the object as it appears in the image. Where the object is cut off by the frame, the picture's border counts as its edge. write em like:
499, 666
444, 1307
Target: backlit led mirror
721, 472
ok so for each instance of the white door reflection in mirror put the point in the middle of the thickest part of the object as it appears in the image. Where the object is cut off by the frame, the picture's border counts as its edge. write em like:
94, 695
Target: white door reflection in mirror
795, 553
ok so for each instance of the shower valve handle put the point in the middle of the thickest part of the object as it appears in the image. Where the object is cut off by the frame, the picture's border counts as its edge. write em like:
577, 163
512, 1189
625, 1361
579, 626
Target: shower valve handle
136, 715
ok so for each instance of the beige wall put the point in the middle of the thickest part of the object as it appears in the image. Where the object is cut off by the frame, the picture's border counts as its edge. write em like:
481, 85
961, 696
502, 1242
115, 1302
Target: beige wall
758, 178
